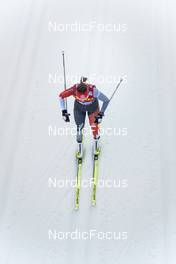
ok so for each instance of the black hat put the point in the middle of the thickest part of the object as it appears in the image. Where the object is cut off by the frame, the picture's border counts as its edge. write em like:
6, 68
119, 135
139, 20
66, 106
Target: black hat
83, 79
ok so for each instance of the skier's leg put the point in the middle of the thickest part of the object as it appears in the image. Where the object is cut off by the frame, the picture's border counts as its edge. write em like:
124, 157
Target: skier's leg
79, 116
79, 136
94, 126
95, 131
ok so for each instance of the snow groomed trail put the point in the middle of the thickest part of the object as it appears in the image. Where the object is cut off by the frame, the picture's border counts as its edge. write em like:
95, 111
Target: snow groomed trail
38, 223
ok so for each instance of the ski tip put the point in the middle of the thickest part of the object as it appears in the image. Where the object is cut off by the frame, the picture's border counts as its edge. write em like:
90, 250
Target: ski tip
93, 203
76, 207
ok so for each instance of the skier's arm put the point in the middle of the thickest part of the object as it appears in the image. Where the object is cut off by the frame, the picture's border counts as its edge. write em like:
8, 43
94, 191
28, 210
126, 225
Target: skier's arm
102, 97
65, 94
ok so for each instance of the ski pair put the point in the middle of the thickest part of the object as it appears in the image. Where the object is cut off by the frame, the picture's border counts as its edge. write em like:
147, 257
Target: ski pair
79, 157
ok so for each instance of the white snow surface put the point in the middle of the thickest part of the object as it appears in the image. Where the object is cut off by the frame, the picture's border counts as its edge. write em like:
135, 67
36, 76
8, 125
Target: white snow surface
144, 54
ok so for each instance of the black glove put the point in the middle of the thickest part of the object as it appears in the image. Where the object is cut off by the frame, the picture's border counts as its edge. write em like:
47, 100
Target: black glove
65, 116
99, 117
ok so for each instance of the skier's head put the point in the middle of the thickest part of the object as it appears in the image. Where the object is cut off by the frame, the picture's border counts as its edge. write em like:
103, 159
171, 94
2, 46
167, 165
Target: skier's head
83, 79
82, 88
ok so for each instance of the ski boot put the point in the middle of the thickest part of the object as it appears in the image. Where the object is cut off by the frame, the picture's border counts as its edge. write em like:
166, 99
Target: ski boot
96, 148
79, 138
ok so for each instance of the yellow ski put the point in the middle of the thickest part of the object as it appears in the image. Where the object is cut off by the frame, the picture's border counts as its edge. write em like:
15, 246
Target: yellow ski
95, 175
78, 181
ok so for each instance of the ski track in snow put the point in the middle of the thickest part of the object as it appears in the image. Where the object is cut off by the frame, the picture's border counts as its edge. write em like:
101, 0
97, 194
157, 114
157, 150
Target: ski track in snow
145, 157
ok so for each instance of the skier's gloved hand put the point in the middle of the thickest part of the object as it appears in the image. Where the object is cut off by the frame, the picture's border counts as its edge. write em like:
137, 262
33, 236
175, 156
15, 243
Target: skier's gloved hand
65, 115
99, 117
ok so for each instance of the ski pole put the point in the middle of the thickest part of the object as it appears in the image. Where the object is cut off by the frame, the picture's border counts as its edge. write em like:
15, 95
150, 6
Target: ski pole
65, 86
115, 89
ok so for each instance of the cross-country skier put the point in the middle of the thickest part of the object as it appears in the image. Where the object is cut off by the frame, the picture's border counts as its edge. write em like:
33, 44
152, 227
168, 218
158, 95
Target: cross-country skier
87, 98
